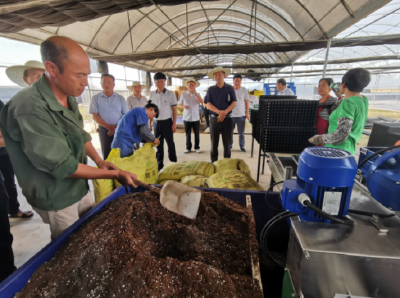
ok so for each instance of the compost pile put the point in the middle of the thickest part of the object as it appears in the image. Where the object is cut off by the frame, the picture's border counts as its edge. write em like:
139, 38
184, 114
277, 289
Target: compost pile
136, 248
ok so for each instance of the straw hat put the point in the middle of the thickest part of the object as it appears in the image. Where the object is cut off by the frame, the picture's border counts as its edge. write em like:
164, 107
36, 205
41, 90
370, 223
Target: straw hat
185, 82
227, 71
135, 83
16, 73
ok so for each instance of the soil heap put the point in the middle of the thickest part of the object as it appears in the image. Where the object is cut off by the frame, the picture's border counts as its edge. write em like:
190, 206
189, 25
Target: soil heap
135, 247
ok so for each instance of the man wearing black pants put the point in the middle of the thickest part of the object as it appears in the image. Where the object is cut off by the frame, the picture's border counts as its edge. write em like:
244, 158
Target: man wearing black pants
189, 101
221, 99
165, 124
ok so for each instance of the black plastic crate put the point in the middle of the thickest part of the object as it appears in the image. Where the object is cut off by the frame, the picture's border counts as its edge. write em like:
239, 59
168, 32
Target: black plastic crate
278, 97
286, 139
383, 134
254, 116
288, 112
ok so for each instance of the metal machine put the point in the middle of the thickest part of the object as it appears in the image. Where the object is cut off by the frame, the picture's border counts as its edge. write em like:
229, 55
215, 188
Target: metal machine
326, 177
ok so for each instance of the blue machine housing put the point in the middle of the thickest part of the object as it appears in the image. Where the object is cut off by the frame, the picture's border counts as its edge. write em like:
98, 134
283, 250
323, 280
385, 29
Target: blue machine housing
383, 176
320, 169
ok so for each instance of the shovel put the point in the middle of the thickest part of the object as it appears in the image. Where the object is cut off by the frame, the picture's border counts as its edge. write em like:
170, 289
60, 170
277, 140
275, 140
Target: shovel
176, 197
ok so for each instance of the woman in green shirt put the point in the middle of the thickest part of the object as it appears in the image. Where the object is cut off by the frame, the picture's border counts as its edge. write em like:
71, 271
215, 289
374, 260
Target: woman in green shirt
347, 122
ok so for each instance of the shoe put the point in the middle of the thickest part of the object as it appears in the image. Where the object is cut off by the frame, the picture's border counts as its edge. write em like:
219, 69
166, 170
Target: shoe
243, 150
187, 151
198, 151
207, 129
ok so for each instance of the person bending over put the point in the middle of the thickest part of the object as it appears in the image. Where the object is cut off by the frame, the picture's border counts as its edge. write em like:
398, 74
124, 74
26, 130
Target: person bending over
133, 127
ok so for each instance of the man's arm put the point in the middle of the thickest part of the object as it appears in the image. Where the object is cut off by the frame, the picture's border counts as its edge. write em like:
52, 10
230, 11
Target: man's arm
200, 99
2, 142
246, 102
110, 128
174, 117
230, 108
92, 153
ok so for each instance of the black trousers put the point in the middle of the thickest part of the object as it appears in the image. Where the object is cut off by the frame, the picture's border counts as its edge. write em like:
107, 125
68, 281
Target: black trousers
207, 116
163, 129
105, 141
6, 254
188, 130
225, 128
7, 171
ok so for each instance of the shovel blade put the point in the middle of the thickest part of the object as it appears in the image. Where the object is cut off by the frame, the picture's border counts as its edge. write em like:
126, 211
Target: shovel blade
181, 199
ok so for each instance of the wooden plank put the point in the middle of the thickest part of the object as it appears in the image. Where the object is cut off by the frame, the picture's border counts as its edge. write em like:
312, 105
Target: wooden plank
255, 266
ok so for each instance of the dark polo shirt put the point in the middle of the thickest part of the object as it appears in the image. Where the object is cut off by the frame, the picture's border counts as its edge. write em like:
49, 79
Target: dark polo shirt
221, 98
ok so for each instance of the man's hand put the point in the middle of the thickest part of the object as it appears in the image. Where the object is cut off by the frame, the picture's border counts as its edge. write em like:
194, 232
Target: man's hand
106, 165
173, 127
126, 178
248, 116
111, 130
222, 113
221, 118
316, 140
186, 107
156, 141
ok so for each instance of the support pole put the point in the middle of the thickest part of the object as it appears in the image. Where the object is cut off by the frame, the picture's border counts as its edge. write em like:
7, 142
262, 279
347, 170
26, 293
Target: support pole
291, 73
326, 57
376, 87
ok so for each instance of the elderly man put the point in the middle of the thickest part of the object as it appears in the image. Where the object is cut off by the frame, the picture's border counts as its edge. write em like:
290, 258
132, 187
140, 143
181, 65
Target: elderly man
136, 100
107, 108
241, 112
221, 99
165, 124
43, 131
23, 75
282, 89
189, 101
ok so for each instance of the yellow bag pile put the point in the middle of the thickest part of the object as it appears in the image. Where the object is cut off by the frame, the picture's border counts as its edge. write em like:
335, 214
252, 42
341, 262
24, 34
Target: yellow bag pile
195, 181
148, 154
231, 164
176, 171
233, 180
133, 164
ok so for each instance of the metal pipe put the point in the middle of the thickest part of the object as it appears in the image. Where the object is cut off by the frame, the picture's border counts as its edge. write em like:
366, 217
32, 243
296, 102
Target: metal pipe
326, 56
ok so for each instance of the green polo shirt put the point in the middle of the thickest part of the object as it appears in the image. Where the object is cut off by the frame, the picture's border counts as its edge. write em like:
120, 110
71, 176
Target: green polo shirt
45, 142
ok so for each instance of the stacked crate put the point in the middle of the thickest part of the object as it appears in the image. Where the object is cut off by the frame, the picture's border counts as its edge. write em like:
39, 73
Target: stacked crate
286, 124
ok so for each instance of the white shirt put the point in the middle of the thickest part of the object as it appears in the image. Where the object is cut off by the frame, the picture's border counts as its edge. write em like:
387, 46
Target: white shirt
165, 101
286, 91
187, 99
134, 102
241, 95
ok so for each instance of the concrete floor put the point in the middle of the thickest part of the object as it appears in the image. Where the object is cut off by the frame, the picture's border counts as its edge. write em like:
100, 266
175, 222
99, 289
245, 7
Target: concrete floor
31, 235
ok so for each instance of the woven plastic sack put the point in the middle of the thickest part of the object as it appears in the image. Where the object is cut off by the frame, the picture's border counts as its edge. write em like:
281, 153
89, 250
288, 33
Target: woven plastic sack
176, 171
233, 180
231, 164
195, 181
147, 154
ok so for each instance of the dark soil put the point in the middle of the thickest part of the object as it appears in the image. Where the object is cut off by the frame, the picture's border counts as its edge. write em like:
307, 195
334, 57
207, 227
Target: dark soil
136, 248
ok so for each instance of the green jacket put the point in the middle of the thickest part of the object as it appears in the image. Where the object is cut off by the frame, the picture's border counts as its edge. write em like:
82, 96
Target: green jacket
45, 142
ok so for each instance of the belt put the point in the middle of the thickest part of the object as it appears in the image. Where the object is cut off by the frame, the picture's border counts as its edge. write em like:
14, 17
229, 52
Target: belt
165, 120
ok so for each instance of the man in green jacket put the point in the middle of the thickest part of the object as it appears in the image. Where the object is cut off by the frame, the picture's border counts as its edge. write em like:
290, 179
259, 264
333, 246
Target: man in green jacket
43, 132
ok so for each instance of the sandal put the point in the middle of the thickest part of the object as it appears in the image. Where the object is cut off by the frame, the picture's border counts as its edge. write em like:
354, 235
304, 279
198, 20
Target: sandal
25, 214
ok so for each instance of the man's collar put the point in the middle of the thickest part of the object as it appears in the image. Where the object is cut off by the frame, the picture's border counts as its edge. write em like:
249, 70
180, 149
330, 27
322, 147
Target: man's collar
48, 94
222, 86
165, 90
103, 94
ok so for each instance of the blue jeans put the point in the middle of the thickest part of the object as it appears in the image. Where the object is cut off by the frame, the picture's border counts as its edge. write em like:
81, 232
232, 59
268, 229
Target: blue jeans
241, 122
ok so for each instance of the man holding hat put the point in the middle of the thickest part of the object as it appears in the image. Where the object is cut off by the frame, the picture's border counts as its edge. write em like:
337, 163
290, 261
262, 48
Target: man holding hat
189, 101
24, 76
241, 111
165, 124
136, 100
221, 99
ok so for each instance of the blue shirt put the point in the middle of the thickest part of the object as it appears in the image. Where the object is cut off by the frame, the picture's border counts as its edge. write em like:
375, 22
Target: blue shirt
128, 130
221, 98
110, 109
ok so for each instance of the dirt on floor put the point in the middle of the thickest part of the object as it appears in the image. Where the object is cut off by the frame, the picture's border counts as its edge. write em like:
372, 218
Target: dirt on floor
374, 113
136, 248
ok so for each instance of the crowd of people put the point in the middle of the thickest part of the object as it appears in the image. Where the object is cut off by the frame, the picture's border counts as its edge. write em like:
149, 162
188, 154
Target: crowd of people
42, 140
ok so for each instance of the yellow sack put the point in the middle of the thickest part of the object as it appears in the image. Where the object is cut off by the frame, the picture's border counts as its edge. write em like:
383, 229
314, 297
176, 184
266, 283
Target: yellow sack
132, 164
176, 171
233, 180
148, 154
102, 188
231, 164
195, 181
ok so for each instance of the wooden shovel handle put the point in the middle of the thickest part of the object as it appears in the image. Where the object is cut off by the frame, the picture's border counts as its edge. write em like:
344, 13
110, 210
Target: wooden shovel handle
148, 186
